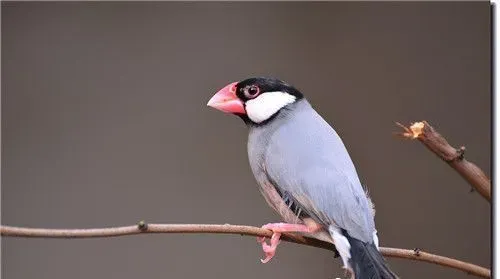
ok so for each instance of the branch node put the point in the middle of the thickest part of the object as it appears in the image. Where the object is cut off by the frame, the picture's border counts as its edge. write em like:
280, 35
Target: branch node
142, 225
416, 251
461, 152
458, 156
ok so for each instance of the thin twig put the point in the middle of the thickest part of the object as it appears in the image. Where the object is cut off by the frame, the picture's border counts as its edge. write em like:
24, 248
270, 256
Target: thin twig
435, 142
417, 254
143, 228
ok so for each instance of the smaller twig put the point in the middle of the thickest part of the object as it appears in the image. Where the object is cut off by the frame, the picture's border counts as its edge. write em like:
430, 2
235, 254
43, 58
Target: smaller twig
144, 228
455, 157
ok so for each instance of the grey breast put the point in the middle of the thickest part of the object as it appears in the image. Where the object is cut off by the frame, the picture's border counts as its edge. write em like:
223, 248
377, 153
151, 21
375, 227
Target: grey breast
305, 158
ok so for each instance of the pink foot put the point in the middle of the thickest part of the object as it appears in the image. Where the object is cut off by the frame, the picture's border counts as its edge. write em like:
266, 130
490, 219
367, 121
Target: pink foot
269, 250
278, 228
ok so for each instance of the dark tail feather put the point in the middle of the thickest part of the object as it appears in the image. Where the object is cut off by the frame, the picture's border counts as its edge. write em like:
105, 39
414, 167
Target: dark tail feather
367, 262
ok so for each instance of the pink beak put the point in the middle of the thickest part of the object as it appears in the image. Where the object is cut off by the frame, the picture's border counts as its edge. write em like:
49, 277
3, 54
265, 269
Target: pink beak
226, 100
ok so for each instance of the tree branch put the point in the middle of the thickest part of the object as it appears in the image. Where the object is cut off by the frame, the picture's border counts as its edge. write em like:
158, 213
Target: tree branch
143, 228
435, 142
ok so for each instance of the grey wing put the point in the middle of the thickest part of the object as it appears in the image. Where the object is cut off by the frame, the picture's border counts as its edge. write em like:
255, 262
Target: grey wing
313, 167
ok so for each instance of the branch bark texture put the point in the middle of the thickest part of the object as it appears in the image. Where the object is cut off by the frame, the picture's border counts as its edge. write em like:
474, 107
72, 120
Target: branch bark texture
143, 228
435, 142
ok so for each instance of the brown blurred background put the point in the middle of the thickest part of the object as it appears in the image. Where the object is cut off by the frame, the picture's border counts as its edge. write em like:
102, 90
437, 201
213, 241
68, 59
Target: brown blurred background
104, 123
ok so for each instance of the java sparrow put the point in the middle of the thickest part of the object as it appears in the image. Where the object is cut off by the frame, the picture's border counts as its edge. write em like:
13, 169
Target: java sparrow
304, 172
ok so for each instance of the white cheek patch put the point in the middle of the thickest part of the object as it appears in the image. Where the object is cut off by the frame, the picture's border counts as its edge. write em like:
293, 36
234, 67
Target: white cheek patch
267, 104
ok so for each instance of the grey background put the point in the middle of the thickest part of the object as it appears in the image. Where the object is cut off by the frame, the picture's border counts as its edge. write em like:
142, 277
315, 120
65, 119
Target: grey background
104, 123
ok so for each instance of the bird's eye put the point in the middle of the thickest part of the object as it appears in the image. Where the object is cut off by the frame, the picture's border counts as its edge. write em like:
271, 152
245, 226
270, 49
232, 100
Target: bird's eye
251, 91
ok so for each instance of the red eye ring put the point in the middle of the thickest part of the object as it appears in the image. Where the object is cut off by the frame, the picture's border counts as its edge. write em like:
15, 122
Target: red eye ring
251, 91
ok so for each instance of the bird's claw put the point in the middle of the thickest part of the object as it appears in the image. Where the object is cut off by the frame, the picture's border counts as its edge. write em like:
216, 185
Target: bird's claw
269, 249
277, 229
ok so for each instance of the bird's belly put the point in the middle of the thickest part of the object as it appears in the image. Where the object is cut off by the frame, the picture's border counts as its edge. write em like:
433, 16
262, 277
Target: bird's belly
276, 202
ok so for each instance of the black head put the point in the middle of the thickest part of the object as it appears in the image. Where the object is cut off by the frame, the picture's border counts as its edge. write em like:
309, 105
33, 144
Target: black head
256, 100
251, 88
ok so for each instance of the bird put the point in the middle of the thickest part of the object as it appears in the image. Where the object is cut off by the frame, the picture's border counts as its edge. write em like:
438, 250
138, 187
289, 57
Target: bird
304, 172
